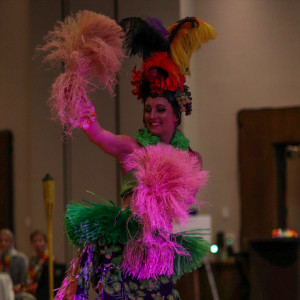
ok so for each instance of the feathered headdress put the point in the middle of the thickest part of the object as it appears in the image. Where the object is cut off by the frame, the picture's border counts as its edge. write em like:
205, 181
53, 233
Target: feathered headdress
166, 55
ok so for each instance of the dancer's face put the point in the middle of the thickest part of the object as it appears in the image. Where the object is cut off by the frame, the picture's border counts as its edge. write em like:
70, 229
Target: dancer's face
159, 117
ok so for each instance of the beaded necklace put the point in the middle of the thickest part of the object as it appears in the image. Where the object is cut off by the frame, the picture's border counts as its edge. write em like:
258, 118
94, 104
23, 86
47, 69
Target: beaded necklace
146, 138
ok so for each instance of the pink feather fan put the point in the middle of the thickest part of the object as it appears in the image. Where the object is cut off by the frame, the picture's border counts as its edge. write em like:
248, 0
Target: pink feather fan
168, 180
90, 46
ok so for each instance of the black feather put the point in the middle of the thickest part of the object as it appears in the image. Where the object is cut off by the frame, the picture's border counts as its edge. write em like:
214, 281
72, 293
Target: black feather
141, 38
173, 33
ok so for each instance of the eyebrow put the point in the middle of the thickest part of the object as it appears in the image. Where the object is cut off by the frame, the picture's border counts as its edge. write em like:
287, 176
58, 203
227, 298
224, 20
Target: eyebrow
157, 105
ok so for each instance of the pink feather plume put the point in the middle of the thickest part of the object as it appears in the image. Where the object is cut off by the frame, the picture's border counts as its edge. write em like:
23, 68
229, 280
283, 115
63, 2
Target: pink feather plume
144, 260
68, 287
90, 46
168, 180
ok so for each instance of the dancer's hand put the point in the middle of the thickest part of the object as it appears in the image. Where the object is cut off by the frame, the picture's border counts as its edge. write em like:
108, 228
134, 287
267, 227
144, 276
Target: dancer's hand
86, 121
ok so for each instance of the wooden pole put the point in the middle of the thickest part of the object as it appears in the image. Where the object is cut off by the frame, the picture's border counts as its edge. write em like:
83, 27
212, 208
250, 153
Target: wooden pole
49, 195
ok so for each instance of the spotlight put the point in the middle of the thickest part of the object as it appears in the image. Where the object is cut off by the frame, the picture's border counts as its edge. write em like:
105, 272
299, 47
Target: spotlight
214, 249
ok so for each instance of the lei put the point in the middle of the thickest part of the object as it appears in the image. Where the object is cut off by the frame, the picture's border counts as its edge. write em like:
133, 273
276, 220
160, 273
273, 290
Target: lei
34, 272
145, 138
5, 262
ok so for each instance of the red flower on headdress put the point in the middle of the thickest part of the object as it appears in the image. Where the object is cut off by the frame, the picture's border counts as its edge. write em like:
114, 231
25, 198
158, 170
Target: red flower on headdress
173, 83
136, 81
158, 86
160, 72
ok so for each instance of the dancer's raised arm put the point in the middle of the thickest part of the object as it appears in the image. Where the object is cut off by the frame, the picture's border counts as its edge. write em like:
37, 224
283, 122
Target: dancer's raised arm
118, 146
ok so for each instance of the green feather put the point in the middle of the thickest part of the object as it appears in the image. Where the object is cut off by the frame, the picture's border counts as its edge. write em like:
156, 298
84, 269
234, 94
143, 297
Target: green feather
193, 242
114, 227
108, 202
89, 223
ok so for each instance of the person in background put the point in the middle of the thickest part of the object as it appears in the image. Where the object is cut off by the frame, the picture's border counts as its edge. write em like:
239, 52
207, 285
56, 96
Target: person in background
27, 290
13, 262
39, 243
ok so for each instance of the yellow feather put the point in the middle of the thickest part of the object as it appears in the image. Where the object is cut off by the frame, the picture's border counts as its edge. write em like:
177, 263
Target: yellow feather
189, 37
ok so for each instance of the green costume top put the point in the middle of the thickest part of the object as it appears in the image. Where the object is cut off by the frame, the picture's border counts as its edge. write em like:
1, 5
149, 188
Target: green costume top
128, 183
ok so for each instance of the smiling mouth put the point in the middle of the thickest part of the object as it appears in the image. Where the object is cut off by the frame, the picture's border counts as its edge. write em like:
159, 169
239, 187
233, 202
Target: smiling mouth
154, 124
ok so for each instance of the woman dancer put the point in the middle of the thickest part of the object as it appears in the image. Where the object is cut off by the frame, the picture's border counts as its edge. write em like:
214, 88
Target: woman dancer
131, 252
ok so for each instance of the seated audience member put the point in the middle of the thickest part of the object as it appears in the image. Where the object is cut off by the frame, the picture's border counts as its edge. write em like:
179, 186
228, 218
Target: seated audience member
37, 277
39, 244
13, 262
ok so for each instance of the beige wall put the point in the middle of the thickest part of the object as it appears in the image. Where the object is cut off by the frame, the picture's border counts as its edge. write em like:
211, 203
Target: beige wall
38, 146
15, 103
253, 63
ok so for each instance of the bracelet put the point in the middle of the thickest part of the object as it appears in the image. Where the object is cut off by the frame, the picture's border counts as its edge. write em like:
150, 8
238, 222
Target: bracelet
86, 121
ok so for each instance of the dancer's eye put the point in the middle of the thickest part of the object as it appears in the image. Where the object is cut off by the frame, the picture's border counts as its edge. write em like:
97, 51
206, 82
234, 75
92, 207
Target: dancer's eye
161, 108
